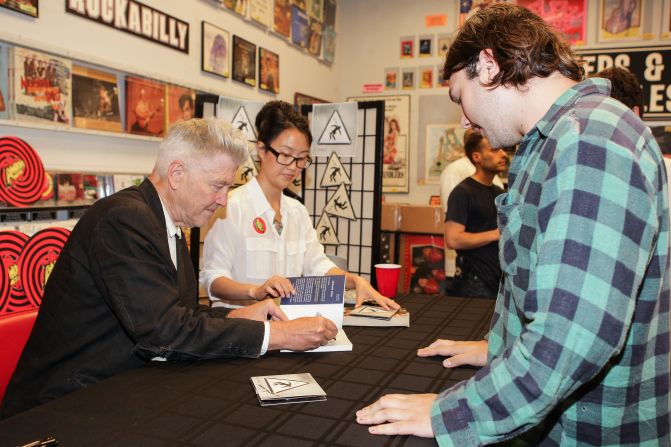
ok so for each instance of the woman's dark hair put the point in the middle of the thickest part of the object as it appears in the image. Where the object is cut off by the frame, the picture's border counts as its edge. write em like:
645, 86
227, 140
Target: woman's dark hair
277, 116
523, 45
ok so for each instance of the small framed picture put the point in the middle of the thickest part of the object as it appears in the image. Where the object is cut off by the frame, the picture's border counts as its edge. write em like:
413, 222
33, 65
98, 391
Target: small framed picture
426, 77
301, 99
269, 71
391, 78
215, 52
408, 78
443, 44
434, 200
407, 47
425, 46
440, 82
244, 61
28, 7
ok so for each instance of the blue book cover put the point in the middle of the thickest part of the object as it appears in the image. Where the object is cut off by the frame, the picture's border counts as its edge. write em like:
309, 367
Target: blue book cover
317, 290
299, 27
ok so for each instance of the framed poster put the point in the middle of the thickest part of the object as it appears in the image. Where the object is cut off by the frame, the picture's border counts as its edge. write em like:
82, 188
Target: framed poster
391, 78
329, 14
425, 46
301, 99
282, 17
329, 45
444, 144
299, 27
181, 104
300, 3
27, 7
408, 78
423, 264
215, 52
407, 49
239, 6
396, 138
440, 81
316, 9
567, 16
443, 44
269, 71
620, 20
95, 99
315, 38
244, 61
145, 107
261, 11
426, 77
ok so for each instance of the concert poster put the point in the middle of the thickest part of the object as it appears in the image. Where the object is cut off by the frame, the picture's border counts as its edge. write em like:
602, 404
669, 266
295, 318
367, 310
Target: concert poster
244, 61
181, 104
42, 86
269, 71
282, 18
145, 107
95, 99
299, 27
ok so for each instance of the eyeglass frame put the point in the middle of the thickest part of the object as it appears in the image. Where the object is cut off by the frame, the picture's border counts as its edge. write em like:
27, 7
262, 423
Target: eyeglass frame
296, 160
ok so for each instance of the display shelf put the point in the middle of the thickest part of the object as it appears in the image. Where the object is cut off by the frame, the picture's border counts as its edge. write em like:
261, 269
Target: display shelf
48, 209
78, 130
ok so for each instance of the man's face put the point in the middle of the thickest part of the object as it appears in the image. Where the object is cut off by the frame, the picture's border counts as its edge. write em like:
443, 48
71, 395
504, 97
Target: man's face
489, 159
203, 188
187, 111
485, 110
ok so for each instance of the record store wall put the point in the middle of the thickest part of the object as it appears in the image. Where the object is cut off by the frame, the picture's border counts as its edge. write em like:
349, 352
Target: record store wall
64, 34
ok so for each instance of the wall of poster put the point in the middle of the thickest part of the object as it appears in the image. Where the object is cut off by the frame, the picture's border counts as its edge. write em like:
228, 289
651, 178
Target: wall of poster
568, 16
620, 20
396, 138
651, 65
444, 144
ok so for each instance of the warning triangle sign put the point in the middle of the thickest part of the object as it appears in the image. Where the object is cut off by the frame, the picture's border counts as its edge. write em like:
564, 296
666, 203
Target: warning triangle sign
335, 131
326, 231
335, 173
242, 122
246, 172
278, 384
340, 205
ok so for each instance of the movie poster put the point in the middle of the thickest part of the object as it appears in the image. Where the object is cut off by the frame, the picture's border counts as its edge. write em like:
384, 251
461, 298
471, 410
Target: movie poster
316, 9
282, 18
261, 11
215, 52
620, 20
95, 99
4, 82
239, 6
329, 45
269, 71
396, 137
568, 16
329, 14
423, 264
145, 107
315, 39
299, 27
42, 86
444, 144
244, 61
181, 104
28, 7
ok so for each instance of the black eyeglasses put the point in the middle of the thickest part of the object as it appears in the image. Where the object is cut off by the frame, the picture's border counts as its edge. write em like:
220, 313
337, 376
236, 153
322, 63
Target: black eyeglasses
287, 160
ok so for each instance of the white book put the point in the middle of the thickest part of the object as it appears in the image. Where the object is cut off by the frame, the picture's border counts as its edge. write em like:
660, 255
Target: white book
287, 389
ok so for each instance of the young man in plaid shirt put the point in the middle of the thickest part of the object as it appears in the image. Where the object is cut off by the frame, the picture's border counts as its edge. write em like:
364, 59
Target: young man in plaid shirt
578, 352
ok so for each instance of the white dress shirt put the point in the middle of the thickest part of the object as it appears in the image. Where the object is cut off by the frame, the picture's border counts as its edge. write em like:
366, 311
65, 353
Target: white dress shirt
246, 247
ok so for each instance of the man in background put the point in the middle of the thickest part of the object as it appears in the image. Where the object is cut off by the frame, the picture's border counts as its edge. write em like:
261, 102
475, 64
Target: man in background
470, 222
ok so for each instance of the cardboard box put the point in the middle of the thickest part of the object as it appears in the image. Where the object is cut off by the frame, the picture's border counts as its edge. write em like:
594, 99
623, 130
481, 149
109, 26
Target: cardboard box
428, 219
391, 217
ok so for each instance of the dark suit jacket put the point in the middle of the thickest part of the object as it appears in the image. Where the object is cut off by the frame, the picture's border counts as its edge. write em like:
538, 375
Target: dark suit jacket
114, 301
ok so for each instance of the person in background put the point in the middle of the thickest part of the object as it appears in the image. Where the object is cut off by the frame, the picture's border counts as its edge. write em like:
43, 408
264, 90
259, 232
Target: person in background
470, 222
185, 103
452, 175
267, 236
578, 350
123, 291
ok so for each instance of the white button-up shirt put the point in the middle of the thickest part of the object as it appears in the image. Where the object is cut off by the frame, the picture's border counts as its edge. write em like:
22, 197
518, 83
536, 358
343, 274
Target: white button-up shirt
246, 247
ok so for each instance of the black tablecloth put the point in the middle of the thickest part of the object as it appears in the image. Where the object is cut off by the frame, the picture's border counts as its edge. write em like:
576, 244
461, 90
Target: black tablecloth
213, 403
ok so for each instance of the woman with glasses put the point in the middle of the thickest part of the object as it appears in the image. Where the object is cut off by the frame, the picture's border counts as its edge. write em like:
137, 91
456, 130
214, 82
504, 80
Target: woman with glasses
267, 236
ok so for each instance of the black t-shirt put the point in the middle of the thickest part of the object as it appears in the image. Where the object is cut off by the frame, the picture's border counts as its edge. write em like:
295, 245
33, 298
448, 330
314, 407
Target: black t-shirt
471, 204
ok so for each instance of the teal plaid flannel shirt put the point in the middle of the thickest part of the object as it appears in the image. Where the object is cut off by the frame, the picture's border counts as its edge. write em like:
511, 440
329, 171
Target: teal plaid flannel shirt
579, 342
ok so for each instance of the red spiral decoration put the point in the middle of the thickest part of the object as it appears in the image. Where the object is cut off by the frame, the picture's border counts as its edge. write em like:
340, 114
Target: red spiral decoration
12, 295
21, 173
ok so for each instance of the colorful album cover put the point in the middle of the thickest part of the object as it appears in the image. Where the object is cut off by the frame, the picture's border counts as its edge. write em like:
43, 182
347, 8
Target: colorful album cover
315, 38
239, 6
408, 78
299, 27
181, 104
329, 45
316, 9
261, 11
95, 99
423, 264
282, 18
391, 78
145, 107
269, 71
426, 77
215, 52
329, 14
4, 81
443, 44
244, 61
28, 7
69, 187
425, 46
42, 86
567, 16
407, 47
620, 20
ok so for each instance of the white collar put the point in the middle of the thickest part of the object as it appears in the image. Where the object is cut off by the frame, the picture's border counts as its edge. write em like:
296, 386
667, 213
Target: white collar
259, 200
173, 230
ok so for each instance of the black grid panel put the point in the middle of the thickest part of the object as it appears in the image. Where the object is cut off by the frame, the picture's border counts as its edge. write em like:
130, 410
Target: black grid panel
359, 240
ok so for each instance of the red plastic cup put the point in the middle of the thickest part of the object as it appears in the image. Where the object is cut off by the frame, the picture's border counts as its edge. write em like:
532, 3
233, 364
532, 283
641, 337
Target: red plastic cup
387, 279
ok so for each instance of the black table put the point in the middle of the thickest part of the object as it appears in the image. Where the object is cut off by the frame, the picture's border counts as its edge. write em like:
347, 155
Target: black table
213, 403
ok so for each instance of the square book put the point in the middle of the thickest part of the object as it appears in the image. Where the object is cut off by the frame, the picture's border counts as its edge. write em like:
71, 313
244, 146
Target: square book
357, 317
287, 389
377, 312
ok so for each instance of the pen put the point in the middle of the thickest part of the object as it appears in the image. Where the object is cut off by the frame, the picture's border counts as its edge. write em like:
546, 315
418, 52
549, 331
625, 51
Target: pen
49, 441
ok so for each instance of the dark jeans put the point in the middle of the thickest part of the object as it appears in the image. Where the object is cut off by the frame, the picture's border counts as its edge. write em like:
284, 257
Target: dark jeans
473, 287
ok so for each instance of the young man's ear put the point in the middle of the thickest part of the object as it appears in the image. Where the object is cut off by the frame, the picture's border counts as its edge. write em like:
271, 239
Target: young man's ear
488, 68
176, 173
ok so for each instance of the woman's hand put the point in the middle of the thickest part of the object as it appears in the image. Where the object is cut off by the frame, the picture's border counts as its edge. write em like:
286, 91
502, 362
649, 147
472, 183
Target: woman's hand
275, 287
459, 352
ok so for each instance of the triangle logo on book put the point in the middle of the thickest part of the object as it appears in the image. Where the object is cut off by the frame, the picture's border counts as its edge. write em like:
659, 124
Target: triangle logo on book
278, 384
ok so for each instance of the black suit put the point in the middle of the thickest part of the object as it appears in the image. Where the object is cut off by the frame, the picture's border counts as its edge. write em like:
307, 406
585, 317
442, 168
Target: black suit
114, 301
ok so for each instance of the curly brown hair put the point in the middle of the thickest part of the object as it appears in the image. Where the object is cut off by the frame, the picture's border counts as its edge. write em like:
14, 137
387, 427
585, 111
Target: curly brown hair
624, 86
523, 45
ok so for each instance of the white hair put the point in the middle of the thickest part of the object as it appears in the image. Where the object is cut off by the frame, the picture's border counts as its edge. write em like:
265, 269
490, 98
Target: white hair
199, 139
